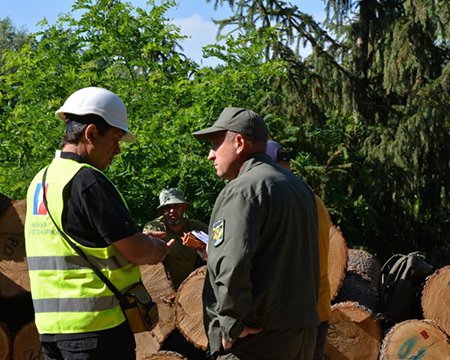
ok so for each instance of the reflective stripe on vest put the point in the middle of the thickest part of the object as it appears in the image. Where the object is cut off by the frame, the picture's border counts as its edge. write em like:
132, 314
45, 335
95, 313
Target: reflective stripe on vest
75, 305
73, 262
68, 297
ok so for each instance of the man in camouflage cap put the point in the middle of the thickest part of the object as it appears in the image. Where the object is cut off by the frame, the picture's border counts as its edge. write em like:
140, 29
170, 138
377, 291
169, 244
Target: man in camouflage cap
181, 260
261, 286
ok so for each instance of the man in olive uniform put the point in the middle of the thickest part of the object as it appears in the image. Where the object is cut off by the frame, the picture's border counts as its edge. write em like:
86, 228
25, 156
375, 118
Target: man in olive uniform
261, 288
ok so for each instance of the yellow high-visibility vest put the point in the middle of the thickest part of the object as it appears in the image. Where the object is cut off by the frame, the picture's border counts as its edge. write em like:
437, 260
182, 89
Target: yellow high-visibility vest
68, 297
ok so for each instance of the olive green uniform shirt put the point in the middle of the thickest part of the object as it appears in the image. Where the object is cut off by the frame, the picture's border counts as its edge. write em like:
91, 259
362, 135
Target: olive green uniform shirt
263, 262
181, 260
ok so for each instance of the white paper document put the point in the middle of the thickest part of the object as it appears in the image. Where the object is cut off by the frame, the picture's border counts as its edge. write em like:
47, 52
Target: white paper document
202, 236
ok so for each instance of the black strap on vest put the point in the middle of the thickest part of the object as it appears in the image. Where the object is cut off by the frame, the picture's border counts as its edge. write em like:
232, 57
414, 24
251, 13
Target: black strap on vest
80, 252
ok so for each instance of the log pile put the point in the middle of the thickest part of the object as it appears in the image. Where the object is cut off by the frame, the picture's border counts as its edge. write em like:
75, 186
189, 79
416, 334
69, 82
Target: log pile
354, 333
415, 339
162, 292
425, 338
355, 330
18, 334
436, 298
13, 267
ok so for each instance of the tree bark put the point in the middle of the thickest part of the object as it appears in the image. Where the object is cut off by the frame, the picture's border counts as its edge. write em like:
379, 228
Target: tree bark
415, 339
365, 264
361, 279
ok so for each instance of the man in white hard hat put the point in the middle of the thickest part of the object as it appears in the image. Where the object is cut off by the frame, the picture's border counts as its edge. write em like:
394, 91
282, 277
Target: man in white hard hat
76, 314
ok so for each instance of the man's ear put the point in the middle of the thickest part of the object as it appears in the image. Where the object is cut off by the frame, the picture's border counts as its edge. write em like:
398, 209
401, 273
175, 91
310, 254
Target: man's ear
90, 133
240, 143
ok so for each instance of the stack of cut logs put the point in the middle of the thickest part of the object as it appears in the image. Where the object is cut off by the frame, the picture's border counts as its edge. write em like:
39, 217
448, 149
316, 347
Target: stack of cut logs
355, 329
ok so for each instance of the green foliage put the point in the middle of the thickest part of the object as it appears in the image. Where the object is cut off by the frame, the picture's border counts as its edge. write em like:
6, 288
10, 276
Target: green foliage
365, 115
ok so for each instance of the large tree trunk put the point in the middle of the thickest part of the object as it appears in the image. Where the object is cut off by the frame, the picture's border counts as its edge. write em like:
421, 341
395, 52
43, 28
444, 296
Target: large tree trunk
26, 343
354, 333
436, 298
415, 339
337, 260
13, 266
162, 292
189, 308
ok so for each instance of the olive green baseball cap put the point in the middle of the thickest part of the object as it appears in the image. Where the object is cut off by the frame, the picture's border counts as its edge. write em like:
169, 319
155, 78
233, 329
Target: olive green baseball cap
238, 120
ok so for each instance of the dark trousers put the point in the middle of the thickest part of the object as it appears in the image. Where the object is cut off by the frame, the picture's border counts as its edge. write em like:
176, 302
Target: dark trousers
114, 345
290, 344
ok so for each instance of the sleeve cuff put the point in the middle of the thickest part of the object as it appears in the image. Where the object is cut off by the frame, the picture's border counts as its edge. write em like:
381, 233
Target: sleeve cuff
231, 328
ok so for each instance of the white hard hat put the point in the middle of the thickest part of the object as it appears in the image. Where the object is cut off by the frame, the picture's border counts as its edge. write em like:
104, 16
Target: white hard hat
102, 102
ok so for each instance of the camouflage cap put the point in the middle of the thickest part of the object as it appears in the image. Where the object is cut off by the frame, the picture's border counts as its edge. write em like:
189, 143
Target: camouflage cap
171, 196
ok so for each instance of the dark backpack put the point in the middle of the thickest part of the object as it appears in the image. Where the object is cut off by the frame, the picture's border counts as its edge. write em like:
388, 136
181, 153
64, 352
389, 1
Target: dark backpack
400, 286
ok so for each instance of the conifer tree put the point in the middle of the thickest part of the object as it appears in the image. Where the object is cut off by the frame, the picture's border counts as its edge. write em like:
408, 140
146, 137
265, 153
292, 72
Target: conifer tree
384, 65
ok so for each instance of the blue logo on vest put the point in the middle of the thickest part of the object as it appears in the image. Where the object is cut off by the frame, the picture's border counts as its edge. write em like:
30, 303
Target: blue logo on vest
38, 200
